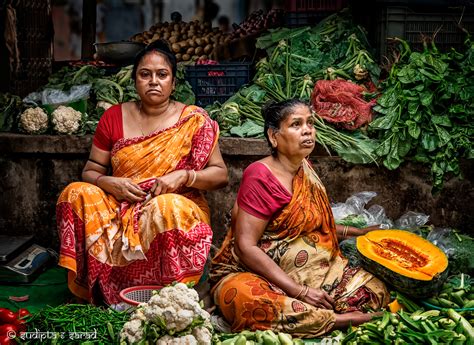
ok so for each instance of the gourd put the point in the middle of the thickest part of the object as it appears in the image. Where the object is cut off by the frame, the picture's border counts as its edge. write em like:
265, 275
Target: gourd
406, 261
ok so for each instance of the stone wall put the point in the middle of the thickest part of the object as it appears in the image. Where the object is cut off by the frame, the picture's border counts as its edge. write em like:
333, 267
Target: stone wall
34, 170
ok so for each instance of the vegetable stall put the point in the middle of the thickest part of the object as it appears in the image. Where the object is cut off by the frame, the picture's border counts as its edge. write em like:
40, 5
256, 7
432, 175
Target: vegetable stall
414, 109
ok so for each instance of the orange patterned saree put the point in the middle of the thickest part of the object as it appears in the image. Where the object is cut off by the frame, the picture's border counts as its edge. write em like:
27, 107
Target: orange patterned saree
302, 240
116, 244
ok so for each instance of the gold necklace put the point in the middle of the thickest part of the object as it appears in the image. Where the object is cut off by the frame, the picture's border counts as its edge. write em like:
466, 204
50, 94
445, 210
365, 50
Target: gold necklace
140, 122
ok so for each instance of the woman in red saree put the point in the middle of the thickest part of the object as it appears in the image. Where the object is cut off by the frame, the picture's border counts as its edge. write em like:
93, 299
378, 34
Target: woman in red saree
280, 267
148, 221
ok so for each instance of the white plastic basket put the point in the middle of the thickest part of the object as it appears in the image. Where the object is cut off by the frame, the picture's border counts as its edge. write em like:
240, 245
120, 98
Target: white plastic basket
135, 295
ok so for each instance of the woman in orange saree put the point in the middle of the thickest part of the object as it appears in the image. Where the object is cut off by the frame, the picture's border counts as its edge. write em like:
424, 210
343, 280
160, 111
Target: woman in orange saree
148, 222
280, 266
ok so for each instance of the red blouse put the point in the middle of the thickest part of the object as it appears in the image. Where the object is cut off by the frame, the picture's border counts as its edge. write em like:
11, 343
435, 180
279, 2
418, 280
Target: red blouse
109, 128
261, 194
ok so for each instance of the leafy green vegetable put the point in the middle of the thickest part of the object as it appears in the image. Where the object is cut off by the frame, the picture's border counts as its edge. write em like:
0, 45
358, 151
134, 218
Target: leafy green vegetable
426, 110
10, 109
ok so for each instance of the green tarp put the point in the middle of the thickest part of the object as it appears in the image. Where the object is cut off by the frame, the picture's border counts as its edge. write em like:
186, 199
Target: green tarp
49, 288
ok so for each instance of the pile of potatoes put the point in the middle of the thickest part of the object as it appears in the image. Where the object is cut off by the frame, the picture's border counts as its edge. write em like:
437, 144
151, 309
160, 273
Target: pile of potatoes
189, 41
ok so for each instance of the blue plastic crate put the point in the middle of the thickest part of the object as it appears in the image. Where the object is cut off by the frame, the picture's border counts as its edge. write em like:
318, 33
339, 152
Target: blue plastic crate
212, 83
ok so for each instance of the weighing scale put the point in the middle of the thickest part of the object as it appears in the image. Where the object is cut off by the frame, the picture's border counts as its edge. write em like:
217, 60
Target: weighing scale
21, 261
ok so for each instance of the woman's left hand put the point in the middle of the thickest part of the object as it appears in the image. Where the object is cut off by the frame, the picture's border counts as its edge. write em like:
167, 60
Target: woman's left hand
369, 228
319, 298
169, 183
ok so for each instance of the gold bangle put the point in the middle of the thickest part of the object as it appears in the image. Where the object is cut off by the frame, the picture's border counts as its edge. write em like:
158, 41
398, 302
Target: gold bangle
193, 180
344, 232
305, 292
299, 293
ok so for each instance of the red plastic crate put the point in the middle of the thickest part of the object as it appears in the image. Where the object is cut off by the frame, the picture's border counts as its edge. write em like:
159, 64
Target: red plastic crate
314, 5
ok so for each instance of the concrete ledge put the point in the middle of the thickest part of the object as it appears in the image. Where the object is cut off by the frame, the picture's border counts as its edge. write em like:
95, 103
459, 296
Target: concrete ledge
73, 144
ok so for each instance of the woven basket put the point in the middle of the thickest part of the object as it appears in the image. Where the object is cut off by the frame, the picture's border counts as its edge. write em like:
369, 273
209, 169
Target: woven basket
138, 294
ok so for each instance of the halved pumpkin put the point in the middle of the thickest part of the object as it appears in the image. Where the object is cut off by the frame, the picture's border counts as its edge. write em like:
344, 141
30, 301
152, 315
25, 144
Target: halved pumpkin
404, 260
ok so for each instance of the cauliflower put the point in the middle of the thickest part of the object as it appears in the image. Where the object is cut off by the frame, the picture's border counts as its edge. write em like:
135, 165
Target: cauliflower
34, 120
66, 120
132, 331
186, 340
103, 104
174, 309
203, 335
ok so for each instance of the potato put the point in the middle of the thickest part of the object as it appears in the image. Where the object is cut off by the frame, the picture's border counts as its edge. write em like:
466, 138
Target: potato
208, 49
198, 50
176, 47
173, 39
186, 57
198, 41
190, 51
179, 57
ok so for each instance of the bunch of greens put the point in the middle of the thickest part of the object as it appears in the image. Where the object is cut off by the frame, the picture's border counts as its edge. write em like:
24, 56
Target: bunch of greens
426, 111
336, 47
10, 109
66, 322
297, 57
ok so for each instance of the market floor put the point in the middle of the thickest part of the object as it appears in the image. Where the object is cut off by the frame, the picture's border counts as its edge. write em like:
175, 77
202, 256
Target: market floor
49, 288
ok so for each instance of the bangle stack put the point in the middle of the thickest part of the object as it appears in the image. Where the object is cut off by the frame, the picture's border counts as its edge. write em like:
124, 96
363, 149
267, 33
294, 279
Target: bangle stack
189, 184
344, 232
98, 178
303, 292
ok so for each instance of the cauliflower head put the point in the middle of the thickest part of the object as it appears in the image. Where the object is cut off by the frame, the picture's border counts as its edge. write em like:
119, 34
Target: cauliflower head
34, 120
184, 340
104, 105
132, 331
66, 120
177, 305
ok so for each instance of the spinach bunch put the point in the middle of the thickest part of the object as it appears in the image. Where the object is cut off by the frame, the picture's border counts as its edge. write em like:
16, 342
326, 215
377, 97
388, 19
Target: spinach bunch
10, 109
426, 110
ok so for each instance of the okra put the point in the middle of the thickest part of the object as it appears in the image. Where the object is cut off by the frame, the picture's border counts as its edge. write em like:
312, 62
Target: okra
467, 329
458, 297
230, 341
241, 340
468, 304
384, 322
285, 338
409, 321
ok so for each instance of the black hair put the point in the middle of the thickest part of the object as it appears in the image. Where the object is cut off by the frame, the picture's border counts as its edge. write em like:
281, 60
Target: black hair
160, 46
275, 113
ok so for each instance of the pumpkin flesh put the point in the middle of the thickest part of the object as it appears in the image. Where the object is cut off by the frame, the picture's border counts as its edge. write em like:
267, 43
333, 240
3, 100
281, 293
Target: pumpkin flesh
403, 259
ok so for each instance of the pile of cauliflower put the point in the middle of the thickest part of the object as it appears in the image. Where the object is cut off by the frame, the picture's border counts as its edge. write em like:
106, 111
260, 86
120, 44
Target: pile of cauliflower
65, 120
173, 315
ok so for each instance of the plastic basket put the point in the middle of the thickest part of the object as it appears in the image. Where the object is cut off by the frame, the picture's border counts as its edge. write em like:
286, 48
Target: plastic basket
212, 83
138, 294
409, 25
296, 19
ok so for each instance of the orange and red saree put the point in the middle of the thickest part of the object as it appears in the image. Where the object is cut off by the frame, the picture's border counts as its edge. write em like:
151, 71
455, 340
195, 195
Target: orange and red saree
116, 244
302, 240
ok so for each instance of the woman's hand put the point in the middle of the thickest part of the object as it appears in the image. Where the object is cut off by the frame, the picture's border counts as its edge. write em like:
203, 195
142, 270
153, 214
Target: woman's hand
169, 182
122, 188
318, 298
369, 228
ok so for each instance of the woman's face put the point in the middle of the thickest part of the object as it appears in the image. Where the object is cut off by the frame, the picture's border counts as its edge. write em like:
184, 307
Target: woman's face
154, 80
297, 135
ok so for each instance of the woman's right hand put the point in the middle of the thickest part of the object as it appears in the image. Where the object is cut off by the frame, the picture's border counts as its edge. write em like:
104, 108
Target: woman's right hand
319, 298
122, 188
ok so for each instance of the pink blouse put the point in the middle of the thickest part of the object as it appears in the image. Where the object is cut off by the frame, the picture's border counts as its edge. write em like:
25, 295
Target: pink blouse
261, 194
